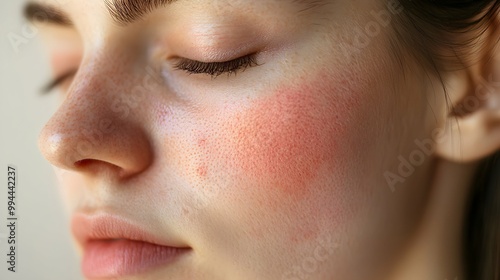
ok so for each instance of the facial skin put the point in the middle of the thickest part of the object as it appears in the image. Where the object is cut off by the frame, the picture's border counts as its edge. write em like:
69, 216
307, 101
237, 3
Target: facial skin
276, 172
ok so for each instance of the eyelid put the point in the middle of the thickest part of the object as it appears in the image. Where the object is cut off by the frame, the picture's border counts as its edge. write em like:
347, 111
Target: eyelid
58, 80
216, 69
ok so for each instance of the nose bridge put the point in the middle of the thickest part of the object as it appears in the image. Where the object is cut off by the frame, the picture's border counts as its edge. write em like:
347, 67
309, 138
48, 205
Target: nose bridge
114, 78
90, 126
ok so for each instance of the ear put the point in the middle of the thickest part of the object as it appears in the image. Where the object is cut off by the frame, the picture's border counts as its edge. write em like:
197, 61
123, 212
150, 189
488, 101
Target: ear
472, 127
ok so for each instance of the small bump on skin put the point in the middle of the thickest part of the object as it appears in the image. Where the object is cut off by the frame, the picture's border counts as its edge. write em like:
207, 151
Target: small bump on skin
202, 171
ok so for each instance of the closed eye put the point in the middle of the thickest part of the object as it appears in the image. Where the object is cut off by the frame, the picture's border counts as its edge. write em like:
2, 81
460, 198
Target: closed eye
216, 69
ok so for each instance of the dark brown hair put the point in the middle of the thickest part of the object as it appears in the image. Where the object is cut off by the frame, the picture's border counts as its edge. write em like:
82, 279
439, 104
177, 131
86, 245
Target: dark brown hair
441, 34
482, 229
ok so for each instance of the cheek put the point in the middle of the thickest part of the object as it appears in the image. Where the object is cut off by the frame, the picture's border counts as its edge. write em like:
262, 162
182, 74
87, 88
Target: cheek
291, 150
287, 139
284, 157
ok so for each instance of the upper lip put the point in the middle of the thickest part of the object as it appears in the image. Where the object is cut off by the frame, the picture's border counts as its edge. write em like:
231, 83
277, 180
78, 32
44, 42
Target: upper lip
106, 226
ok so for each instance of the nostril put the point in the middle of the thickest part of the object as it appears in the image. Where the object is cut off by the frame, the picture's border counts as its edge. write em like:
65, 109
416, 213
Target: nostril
82, 163
96, 166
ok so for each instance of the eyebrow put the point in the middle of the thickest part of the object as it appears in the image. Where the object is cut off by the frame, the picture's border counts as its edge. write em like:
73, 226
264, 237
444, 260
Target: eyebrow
43, 13
127, 11
123, 12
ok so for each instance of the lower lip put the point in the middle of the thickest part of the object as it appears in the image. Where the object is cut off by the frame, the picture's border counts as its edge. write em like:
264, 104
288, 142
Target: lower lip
116, 258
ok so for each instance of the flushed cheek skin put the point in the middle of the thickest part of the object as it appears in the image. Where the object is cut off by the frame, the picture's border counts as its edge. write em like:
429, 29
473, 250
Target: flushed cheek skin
289, 152
287, 138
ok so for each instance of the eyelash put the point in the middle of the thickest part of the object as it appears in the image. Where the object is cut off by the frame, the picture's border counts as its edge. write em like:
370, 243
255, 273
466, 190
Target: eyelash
216, 69
213, 69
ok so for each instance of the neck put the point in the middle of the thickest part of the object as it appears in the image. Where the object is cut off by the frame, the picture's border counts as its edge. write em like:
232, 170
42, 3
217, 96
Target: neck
436, 251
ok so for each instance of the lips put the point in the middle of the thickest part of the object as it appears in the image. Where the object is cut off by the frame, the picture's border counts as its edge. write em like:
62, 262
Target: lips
115, 247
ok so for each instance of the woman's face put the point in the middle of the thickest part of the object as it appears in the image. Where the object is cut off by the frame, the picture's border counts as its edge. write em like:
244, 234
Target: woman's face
277, 169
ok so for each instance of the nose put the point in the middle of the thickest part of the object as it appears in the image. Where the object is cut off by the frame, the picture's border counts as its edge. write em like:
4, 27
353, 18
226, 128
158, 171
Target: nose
87, 134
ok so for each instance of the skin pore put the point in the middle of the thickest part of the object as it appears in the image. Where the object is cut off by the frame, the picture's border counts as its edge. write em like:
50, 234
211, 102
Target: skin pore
274, 172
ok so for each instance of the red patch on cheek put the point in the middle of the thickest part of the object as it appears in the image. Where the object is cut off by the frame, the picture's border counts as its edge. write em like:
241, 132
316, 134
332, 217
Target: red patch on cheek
284, 140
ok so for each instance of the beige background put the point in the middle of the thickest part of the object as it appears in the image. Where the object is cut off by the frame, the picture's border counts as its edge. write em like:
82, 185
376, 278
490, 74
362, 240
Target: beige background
44, 251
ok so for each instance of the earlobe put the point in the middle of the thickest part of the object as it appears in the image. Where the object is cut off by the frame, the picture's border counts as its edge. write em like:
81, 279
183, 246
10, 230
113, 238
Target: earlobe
472, 129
